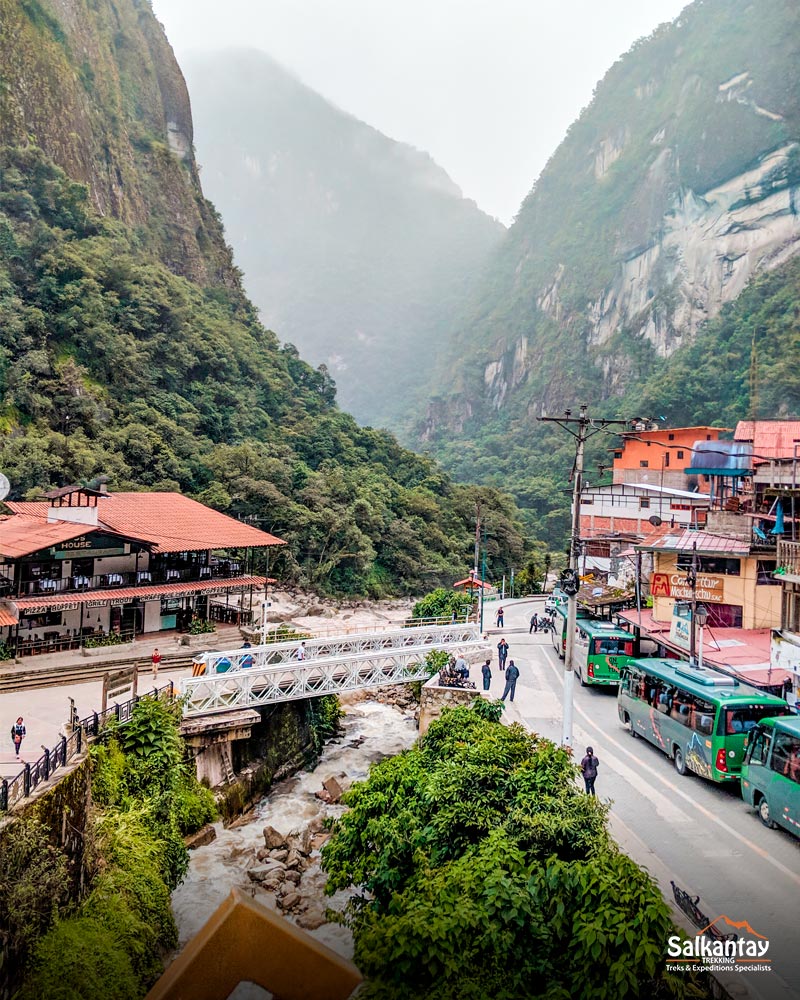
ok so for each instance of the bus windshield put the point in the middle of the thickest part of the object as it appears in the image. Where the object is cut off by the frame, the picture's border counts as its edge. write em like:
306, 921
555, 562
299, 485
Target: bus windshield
743, 718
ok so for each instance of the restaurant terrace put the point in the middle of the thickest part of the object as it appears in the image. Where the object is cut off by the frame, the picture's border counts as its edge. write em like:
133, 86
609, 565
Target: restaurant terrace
89, 567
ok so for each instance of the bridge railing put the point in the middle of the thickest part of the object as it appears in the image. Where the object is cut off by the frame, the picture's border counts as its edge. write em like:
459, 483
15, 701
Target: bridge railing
13, 790
434, 635
331, 674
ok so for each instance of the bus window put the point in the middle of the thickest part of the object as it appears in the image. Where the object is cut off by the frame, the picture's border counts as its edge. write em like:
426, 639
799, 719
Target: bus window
759, 750
786, 756
739, 721
613, 647
702, 717
682, 708
664, 698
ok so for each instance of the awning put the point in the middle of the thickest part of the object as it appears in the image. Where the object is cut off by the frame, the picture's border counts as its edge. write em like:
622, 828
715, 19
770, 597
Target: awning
124, 594
471, 582
7, 617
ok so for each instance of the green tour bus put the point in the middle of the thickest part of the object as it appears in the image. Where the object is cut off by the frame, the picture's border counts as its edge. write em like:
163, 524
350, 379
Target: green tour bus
771, 772
698, 716
601, 649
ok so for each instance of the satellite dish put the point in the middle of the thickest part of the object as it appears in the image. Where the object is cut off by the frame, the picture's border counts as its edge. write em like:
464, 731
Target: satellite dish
655, 520
5, 486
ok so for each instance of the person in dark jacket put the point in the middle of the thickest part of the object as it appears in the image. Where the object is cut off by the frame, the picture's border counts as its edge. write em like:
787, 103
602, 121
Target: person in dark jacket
502, 653
18, 735
534, 623
589, 766
512, 675
486, 670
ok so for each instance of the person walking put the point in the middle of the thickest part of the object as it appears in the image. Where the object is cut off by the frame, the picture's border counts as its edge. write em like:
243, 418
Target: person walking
589, 766
534, 623
486, 670
499, 618
155, 660
18, 735
301, 651
512, 674
502, 653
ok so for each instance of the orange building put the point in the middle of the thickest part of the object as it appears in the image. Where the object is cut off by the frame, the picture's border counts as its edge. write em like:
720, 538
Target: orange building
660, 457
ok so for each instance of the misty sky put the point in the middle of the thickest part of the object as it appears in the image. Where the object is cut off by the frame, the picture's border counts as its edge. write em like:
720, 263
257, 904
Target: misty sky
488, 87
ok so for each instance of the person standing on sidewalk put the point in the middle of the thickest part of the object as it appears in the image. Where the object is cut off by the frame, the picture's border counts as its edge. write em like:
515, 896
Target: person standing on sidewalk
502, 653
18, 735
534, 623
589, 766
486, 670
499, 618
155, 660
512, 675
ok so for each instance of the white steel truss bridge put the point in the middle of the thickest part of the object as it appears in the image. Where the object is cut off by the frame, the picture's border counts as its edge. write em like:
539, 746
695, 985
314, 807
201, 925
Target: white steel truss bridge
267, 675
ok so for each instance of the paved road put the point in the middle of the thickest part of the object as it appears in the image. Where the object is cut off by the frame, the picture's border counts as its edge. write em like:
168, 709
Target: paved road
682, 828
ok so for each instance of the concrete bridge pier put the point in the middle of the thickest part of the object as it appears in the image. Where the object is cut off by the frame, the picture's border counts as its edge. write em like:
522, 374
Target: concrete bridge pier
210, 738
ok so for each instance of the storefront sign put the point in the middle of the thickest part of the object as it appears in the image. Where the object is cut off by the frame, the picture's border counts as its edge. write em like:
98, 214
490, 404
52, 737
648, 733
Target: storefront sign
94, 545
680, 631
708, 589
42, 609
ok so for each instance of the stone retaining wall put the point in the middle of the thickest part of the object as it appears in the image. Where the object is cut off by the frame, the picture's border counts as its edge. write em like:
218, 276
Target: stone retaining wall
435, 699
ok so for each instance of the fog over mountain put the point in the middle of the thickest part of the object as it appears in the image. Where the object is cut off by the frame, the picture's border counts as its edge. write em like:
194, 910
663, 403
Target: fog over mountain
356, 248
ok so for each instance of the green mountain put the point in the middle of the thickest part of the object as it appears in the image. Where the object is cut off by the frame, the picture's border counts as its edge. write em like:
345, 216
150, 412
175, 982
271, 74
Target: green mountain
356, 248
674, 191
127, 347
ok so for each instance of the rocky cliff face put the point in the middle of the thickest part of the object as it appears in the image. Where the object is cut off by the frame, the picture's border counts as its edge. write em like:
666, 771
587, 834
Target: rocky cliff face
97, 87
676, 186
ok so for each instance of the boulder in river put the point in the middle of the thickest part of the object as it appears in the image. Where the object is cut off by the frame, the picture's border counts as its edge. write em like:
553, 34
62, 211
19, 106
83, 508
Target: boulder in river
273, 839
313, 918
333, 788
290, 900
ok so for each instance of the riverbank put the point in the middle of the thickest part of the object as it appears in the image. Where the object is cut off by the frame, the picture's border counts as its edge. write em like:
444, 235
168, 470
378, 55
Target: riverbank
273, 851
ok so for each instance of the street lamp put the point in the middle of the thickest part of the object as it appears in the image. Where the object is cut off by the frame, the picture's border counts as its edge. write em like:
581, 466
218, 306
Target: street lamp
702, 617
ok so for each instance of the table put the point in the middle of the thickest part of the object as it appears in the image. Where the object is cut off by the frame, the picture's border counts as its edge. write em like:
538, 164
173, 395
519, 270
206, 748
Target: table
144, 575
49, 584
114, 579
173, 574
80, 581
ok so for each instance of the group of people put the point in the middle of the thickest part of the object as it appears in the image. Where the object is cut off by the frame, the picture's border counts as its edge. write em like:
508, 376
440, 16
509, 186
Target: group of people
540, 623
455, 673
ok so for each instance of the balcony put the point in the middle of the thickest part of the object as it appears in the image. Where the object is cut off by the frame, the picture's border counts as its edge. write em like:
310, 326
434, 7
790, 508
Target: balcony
46, 586
788, 562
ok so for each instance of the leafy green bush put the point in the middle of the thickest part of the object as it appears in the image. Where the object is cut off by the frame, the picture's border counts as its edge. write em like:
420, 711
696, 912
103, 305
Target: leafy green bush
194, 806
326, 713
111, 639
482, 872
442, 603
201, 626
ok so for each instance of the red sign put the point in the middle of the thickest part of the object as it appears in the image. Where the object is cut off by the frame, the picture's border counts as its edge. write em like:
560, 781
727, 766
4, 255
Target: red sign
659, 585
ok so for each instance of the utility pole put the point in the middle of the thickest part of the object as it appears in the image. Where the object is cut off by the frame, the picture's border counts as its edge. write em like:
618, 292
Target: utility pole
691, 580
586, 428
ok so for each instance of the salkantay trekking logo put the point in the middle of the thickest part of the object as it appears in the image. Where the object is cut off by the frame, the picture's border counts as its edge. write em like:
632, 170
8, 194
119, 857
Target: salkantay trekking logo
714, 950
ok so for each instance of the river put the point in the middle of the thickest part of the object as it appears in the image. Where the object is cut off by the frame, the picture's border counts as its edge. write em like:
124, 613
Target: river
370, 732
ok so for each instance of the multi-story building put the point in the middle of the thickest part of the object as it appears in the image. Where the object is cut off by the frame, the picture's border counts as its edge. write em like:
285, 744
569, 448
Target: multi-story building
785, 651
660, 456
83, 563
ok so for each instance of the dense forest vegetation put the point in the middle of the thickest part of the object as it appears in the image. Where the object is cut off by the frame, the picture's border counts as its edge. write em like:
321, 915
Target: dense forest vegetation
112, 364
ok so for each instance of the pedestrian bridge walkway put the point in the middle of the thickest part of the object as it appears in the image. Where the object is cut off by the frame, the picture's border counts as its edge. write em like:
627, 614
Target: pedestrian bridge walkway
273, 673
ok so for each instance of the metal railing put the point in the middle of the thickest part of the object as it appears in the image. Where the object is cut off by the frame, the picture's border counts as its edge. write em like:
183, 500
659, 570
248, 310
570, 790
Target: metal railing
263, 675
788, 559
27, 646
46, 586
13, 790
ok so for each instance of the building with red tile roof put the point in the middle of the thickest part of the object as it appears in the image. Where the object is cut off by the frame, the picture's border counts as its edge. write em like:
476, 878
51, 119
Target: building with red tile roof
82, 562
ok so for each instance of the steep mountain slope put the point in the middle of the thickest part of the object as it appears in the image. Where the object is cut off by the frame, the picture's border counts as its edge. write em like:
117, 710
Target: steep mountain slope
354, 247
675, 187
127, 347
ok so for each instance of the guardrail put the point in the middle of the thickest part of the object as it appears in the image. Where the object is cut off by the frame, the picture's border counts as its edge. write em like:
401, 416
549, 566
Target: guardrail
13, 790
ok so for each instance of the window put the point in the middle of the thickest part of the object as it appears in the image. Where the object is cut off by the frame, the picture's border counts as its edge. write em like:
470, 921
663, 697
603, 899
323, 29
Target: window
670, 437
708, 437
786, 756
680, 506
617, 454
680, 453
760, 749
764, 573
587, 500
613, 646
702, 716
666, 459
644, 502
644, 464
739, 721
711, 564
681, 710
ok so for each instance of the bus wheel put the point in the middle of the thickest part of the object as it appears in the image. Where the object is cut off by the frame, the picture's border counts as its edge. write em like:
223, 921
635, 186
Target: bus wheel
680, 760
580, 678
629, 723
764, 814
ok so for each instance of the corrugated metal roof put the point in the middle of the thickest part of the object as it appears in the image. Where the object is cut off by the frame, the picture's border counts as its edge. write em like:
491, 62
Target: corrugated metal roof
769, 438
615, 489
684, 541
157, 590
171, 522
